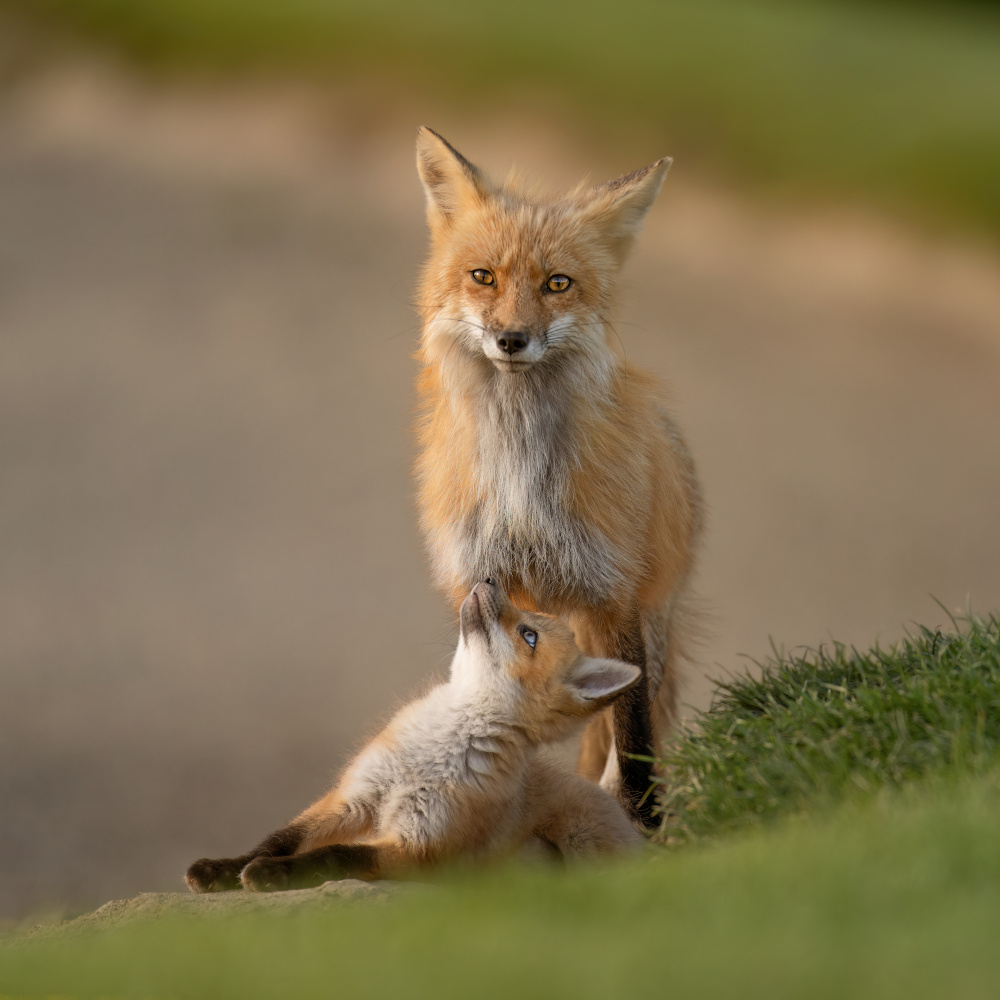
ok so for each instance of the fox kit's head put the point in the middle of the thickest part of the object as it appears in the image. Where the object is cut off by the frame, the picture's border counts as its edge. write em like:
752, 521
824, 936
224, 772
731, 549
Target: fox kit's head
529, 666
521, 283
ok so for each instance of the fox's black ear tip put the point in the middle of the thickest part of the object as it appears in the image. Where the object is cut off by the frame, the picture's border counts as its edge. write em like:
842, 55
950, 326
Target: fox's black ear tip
425, 132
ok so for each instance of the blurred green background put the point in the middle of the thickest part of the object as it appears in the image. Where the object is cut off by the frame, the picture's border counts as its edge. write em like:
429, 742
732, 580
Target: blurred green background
892, 104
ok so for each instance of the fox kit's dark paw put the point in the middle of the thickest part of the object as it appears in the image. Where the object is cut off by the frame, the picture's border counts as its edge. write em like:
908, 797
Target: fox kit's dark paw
214, 874
268, 874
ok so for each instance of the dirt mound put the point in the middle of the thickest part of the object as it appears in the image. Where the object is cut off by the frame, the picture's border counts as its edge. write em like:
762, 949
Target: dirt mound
155, 905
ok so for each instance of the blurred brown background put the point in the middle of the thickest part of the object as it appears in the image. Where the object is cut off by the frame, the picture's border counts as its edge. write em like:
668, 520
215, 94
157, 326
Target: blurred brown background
211, 584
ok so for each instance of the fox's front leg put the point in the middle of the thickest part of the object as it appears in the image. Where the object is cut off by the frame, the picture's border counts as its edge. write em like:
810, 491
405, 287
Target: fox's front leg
300, 871
617, 633
333, 817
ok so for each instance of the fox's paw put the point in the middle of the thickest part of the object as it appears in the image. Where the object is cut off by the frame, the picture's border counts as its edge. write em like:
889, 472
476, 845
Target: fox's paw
214, 874
268, 874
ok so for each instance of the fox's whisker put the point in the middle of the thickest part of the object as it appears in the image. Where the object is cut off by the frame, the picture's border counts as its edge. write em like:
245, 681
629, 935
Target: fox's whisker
462, 319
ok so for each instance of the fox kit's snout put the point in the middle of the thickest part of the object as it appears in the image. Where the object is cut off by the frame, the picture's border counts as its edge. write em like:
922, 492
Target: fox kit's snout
480, 611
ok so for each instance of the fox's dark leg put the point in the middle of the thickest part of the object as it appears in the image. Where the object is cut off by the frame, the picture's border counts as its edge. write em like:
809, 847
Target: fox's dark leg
633, 728
335, 818
337, 861
618, 633
220, 874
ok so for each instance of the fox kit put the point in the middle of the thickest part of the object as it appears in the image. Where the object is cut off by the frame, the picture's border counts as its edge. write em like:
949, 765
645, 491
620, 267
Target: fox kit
461, 773
546, 461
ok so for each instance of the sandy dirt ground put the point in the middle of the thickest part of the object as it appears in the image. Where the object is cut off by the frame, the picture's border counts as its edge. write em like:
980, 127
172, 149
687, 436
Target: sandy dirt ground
211, 584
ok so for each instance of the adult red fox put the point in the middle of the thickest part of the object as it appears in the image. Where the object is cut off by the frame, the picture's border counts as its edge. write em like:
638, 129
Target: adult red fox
462, 772
546, 460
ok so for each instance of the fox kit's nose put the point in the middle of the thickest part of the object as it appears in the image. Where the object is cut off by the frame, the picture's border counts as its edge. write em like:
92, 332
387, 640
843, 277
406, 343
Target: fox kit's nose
481, 608
490, 597
513, 342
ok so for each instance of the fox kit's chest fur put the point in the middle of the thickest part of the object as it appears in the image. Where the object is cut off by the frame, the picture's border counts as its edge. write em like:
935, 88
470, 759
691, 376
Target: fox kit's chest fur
445, 758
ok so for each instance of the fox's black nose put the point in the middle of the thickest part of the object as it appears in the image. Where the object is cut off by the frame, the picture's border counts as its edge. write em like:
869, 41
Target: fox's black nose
512, 342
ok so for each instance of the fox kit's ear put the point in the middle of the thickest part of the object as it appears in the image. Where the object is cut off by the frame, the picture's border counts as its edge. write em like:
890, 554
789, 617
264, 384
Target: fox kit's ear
596, 682
618, 207
450, 181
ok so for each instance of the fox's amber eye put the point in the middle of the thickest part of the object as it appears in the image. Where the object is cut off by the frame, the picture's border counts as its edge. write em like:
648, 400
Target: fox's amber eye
483, 276
527, 635
558, 283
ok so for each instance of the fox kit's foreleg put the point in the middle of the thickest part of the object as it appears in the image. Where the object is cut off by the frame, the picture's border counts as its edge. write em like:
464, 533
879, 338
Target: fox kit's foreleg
335, 817
336, 861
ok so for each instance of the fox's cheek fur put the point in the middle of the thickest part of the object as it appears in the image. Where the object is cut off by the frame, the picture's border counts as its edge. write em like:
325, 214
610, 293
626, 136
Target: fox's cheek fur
454, 327
580, 331
483, 657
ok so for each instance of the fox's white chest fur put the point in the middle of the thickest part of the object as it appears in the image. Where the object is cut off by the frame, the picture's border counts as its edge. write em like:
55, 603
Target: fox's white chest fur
520, 527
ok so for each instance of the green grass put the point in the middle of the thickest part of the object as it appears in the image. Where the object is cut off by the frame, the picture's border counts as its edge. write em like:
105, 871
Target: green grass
896, 897
816, 725
891, 893
897, 105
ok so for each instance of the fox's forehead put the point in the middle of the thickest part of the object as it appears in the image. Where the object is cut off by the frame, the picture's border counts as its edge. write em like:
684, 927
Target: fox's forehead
519, 236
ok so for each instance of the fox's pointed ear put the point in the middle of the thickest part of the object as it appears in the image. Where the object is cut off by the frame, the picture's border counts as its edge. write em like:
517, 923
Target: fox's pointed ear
450, 181
619, 206
596, 682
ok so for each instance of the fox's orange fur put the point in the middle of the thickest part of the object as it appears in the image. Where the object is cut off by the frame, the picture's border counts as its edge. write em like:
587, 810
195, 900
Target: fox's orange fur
463, 772
546, 460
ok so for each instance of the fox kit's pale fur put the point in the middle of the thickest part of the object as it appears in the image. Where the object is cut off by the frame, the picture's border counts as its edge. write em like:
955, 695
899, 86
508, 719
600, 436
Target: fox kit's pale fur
547, 461
461, 773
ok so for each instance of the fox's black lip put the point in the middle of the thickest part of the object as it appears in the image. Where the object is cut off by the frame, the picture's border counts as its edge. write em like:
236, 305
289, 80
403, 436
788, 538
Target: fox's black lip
510, 364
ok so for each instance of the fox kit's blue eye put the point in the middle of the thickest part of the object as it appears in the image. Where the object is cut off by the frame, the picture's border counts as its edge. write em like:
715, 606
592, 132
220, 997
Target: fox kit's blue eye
558, 283
527, 635
483, 276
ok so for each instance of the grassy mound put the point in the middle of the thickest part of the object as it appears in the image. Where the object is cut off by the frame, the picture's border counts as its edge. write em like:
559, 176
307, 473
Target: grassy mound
892, 894
895, 897
816, 725
895, 104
